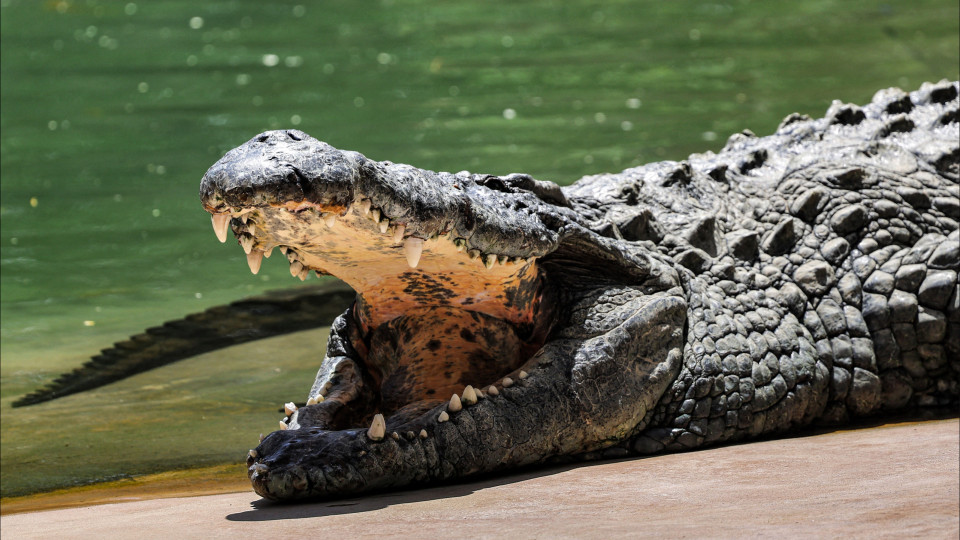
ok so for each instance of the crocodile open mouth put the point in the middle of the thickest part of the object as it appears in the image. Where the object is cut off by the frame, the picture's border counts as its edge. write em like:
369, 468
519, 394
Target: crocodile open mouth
452, 302
432, 317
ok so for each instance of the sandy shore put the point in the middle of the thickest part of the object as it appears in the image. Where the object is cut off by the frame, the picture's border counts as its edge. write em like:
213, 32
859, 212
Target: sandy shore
898, 480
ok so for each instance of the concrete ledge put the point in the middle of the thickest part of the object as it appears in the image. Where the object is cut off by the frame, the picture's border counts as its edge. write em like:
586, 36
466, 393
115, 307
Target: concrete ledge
898, 480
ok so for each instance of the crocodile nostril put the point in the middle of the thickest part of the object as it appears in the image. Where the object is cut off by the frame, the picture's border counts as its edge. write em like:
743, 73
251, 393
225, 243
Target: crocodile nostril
295, 135
263, 138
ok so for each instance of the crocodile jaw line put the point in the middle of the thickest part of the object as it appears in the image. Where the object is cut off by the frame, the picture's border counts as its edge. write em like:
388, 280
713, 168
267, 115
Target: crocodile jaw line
391, 273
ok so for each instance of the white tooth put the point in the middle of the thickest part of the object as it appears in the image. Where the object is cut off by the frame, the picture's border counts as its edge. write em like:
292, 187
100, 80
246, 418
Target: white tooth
283, 425
221, 222
289, 408
375, 215
492, 390
246, 242
398, 233
507, 382
469, 396
330, 219
251, 228
260, 468
295, 268
454, 404
254, 258
522, 374
261, 437
413, 247
384, 225
473, 253
365, 207
268, 252
312, 401
304, 274
410, 434
489, 261
395, 436
423, 434
319, 398
378, 428
283, 249
253, 454
243, 218
443, 417
502, 260
480, 394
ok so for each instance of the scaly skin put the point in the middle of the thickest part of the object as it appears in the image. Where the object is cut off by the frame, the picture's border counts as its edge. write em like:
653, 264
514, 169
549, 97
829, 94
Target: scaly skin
806, 276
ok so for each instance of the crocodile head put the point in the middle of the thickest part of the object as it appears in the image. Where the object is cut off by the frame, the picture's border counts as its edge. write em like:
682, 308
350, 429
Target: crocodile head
475, 294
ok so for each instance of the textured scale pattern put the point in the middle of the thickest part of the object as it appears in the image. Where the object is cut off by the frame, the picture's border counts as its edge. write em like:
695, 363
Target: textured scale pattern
819, 287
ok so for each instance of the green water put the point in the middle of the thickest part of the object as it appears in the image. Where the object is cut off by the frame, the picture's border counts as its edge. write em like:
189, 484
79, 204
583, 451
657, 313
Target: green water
112, 111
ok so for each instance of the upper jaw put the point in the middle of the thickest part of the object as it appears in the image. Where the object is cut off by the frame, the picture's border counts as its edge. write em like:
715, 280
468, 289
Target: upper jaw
293, 170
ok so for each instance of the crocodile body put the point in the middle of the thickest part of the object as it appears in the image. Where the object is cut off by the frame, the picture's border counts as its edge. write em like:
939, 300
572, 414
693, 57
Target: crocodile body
805, 276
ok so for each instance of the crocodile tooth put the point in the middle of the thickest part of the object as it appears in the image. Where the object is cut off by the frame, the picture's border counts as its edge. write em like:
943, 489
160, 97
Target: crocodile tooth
398, 233
443, 416
375, 215
243, 218
522, 374
283, 425
489, 261
284, 249
330, 219
246, 242
502, 260
423, 434
461, 244
259, 468
220, 224
473, 253
289, 408
304, 274
312, 401
469, 396
492, 390
261, 437
413, 247
410, 434
253, 454
268, 252
365, 206
395, 436
254, 258
480, 394
384, 225
251, 228
507, 382
295, 268
454, 404
378, 428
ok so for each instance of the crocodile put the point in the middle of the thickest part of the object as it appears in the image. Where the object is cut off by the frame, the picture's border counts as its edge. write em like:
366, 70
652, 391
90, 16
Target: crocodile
503, 321
805, 277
